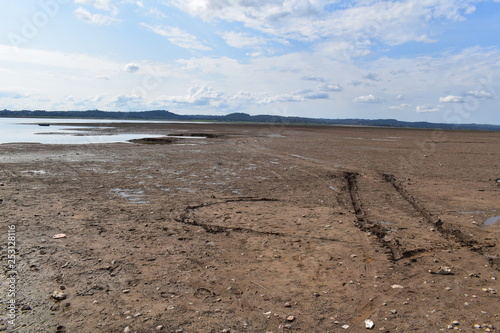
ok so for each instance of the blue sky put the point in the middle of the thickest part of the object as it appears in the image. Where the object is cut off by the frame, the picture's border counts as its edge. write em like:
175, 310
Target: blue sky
430, 60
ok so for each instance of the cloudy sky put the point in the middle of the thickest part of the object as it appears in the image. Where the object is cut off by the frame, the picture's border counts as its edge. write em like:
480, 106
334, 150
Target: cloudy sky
431, 60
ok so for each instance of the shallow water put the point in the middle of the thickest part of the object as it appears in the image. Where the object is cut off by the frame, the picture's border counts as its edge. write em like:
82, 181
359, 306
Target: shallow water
16, 130
492, 220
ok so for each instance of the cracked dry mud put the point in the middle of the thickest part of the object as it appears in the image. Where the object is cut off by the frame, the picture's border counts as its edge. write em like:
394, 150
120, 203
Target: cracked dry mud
256, 228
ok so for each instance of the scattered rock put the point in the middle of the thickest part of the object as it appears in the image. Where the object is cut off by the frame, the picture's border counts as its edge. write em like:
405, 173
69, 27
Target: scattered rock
127, 329
369, 324
345, 326
288, 305
290, 318
443, 270
25, 307
160, 327
397, 286
58, 295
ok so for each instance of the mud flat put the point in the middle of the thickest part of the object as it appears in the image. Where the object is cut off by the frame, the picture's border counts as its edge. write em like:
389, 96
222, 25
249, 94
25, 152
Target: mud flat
254, 228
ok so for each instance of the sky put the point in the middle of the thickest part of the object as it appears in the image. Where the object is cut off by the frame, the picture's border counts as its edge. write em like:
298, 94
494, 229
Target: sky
411, 60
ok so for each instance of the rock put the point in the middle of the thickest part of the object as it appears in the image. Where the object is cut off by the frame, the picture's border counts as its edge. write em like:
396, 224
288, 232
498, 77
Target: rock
369, 324
290, 318
160, 327
288, 305
443, 270
397, 286
394, 311
127, 329
58, 295
345, 326
126, 291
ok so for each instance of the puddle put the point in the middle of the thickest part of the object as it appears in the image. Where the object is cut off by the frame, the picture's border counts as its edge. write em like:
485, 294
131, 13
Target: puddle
133, 196
35, 172
473, 212
492, 220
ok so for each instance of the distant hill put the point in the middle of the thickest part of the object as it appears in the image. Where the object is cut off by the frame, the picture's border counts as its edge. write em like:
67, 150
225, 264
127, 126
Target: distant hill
239, 117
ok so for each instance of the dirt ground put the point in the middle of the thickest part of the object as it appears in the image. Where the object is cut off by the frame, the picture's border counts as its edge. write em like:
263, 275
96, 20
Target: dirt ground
254, 228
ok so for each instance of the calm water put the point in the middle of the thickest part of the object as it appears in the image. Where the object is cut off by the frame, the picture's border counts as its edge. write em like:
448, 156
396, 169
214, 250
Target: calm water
13, 130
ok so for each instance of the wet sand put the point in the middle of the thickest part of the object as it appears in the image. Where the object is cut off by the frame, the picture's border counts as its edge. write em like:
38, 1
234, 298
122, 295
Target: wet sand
255, 228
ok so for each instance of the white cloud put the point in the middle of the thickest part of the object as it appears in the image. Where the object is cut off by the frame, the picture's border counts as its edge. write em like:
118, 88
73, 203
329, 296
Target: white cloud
11, 94
178, 37
242, 40
199, 95
298, 96
330, 87
480, 93
451, 99
392, 22
367, 99
127, 102
428, 108
96, 19
399, 107
312, 78
132, 68
372, 77
101, 5
56, 59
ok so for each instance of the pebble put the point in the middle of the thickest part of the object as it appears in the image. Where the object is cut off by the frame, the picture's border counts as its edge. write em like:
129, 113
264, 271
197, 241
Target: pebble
126, 291
159, 327
397, 286
394, 311
288, 305
345, 326
290, 318
127, 329
58, 295
369, 324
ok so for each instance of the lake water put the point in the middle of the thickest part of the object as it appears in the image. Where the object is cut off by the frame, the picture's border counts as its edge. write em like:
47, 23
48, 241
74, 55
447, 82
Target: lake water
15, 130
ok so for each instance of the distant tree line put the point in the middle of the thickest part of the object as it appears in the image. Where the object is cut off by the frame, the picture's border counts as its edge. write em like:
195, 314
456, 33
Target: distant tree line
238, 117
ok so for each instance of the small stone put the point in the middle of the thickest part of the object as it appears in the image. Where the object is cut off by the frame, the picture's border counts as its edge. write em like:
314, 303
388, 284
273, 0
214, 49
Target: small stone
126, 291
345, 326
397, 286
290, 318
58, 295
160, 327
369, 324
226, 330
268, 313
127, 329
394, 311
138, 314
288, 305
25, 307
477, 326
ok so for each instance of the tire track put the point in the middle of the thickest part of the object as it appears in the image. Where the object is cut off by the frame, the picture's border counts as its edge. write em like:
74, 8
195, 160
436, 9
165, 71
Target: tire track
448, 232
393, 248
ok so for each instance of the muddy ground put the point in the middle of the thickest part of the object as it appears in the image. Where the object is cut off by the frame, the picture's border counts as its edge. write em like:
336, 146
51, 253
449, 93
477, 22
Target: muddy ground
255, 228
